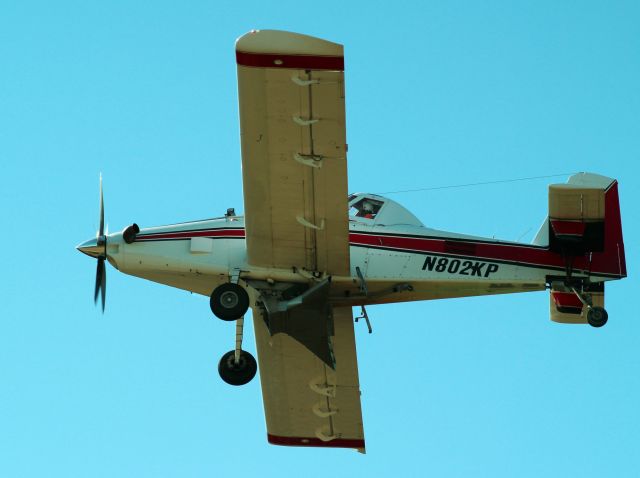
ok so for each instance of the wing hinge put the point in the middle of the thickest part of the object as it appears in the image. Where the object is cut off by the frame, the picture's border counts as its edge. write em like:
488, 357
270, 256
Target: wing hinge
313, 160
304, 122
300, 82
306, 223
321, 433
323, 389
318, 411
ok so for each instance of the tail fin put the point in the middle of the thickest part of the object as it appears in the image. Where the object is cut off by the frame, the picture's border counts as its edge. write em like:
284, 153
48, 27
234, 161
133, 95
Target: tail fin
542, 236
612, 259
584, 220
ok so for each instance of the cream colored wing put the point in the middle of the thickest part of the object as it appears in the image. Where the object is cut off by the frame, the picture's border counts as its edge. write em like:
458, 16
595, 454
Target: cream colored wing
294, 166
307, 403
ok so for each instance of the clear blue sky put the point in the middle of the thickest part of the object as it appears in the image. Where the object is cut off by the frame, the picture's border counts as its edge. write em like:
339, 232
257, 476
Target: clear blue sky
438, 93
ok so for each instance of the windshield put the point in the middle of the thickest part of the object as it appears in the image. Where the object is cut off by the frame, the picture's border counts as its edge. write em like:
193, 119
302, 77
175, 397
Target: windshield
366, 208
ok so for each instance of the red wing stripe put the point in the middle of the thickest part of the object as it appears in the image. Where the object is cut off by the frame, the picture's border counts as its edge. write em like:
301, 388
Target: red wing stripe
300, 62
304, 441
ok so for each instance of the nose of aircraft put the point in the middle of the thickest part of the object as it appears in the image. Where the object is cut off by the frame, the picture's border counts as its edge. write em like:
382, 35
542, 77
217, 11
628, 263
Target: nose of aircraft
91, 248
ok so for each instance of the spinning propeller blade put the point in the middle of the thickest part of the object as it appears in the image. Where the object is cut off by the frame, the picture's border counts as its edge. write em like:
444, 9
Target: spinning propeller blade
101, 228
98, 248
101, 282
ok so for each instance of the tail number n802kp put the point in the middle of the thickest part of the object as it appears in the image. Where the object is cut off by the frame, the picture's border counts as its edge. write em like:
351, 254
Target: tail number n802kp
459, 266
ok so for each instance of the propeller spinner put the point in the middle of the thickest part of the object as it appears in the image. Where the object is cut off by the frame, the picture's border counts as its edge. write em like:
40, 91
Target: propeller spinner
97, 248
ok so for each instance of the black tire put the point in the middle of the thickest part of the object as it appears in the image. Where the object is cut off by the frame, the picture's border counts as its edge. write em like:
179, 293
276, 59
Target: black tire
229, 301
239, 373
597, 317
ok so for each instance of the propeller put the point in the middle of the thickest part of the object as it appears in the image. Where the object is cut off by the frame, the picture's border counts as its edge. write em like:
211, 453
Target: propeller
98, 248
101, 271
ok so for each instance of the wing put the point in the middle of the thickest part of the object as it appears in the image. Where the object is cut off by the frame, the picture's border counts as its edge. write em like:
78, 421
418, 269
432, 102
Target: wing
307, 403
294, 166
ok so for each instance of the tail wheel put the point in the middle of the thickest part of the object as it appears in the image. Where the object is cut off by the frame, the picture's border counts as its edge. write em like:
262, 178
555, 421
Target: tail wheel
597, 316
229, 301
238, 372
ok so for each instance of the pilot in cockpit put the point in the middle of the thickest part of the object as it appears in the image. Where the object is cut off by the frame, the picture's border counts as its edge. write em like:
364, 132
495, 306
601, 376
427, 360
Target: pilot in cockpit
367, 208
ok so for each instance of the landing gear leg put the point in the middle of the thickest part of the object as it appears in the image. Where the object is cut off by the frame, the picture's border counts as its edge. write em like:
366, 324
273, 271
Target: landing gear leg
237, 367
239, 334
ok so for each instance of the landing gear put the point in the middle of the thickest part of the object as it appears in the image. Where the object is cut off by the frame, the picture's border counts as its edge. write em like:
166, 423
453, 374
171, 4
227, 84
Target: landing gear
597, 316
585, 291
237, 372
229, 301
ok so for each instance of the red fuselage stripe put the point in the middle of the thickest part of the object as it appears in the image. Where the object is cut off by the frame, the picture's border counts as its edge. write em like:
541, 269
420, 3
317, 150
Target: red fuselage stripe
517, 254
300, 62
223, 233
488, 251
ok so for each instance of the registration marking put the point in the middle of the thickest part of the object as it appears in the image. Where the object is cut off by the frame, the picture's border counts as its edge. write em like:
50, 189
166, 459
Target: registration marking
459, 266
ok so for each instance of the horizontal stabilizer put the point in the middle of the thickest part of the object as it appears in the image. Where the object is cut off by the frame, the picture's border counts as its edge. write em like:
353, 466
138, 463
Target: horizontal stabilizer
577, 214
567, 308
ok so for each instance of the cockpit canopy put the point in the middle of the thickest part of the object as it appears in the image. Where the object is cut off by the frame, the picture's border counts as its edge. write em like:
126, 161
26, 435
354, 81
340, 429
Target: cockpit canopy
373, 209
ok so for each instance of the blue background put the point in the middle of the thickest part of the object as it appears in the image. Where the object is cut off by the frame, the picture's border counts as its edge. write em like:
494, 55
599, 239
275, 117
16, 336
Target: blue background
438, 93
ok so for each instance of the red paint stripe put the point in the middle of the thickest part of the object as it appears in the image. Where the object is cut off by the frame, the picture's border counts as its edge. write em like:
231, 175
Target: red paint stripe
568, 228
504, 252
190, 234
316, 442
301, 62
613, 258
607, 263
566, 299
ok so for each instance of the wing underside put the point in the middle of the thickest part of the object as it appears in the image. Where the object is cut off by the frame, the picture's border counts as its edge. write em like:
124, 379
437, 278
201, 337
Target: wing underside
292, 123
294, 170
306, 402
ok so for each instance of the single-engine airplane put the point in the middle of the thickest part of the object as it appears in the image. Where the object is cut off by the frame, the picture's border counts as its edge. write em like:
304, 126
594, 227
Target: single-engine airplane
301, 262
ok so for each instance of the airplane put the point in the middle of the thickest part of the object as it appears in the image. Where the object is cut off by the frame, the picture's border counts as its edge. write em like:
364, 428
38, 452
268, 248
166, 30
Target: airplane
305, 252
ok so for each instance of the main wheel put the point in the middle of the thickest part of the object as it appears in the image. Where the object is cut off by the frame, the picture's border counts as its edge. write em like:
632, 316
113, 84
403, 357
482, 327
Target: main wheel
239, 373
597, 316
229, 301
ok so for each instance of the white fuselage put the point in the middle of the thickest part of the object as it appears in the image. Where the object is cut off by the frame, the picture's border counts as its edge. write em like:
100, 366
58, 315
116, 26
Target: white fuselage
398, 263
